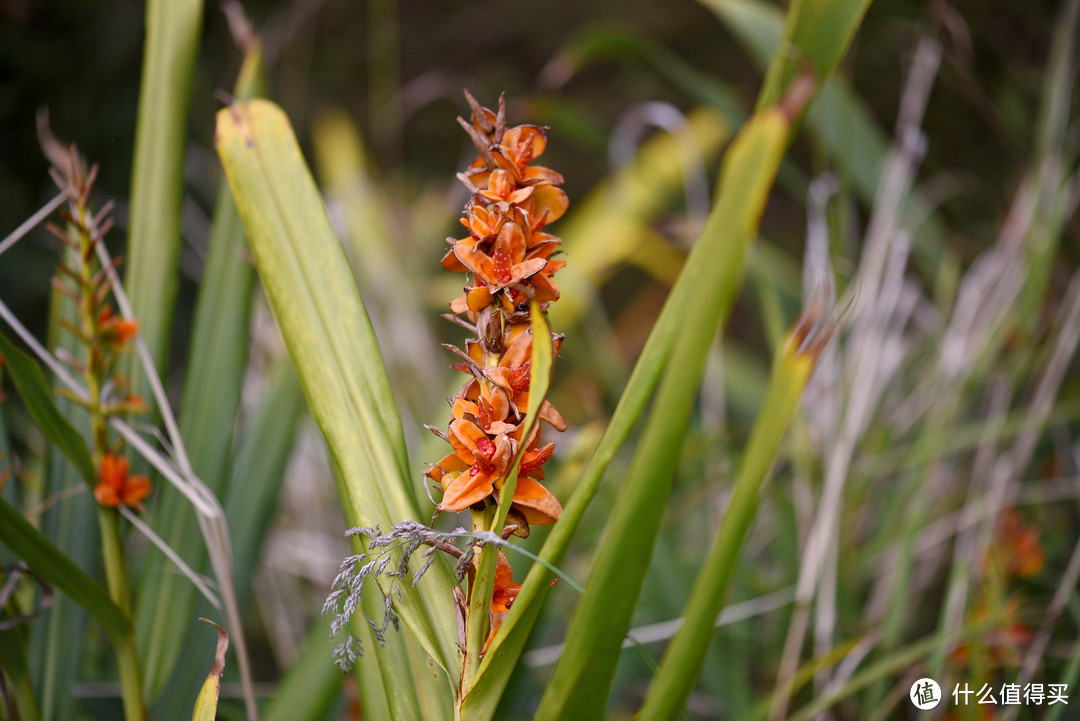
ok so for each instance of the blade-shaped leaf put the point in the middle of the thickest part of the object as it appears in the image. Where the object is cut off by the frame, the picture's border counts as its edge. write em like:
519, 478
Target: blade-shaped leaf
817, 34
173, 28
47, 561
583, 675
330, 340
685, 655
497, 665
211, 398
36, 394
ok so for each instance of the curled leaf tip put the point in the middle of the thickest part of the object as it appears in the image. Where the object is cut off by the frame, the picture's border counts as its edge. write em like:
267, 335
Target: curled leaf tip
222, 647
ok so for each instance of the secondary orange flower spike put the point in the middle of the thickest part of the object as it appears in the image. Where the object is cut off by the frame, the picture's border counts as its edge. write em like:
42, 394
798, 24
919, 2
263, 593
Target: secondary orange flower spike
115, 487
507, 259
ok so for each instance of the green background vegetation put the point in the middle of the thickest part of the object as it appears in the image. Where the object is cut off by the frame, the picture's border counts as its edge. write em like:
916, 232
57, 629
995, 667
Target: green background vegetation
910, 442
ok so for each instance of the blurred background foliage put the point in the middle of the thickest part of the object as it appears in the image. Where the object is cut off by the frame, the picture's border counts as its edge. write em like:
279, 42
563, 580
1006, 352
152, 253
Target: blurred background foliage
393, 71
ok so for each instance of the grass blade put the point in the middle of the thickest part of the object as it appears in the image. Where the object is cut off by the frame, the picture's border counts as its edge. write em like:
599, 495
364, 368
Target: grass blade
683, 660
817, 33
36, 394
330, 340
47, 561
172, 40
211, 398
583, 675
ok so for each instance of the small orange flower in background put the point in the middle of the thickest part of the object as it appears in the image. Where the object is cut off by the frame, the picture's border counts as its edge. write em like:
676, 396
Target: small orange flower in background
1019, 546
114, 328
115, 487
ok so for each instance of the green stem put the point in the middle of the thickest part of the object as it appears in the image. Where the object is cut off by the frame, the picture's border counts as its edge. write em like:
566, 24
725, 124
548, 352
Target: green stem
682, 663
112, 547
476, 622
116, 576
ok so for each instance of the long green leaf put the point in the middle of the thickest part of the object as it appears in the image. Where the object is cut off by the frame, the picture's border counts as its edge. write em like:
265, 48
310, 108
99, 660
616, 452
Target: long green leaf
330, 340
47, 561
607, 227
583, 675
172, 41
36, 394
211, 398
495, 671
685, 656
817, 34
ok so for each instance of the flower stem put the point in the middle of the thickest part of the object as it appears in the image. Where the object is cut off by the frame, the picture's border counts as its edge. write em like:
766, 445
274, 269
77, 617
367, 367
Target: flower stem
112, 547
476, 623
116, 575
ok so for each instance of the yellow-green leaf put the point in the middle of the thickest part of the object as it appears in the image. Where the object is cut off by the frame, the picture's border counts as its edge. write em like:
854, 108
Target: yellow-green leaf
206, 703
326, 329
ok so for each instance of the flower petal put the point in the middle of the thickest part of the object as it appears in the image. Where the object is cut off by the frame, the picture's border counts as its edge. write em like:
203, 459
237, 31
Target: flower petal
538, 504
464, 490
548, 198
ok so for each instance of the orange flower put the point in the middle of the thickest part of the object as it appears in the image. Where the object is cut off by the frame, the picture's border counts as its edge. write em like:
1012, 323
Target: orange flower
114, 328
469, 473
1019, 544
502, 596
116, 487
